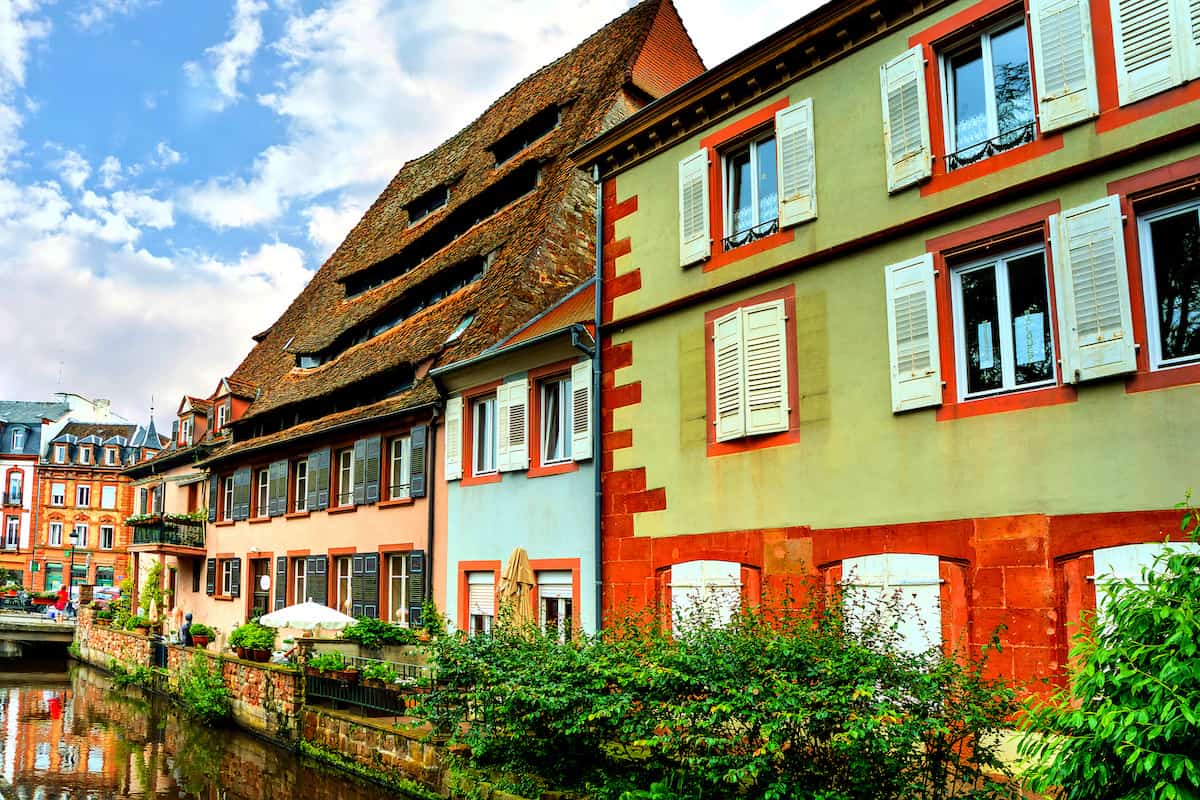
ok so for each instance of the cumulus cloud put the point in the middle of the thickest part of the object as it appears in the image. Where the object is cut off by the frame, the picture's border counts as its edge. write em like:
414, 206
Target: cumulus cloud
73, 169
20, 27
227, 64
327, 225
94, 14
110, 171
164, 156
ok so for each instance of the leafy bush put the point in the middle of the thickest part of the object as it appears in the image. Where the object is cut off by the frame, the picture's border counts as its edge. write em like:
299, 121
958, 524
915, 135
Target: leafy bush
380, 671
119, 605
200, 629
332, 661
104, 614
252, 636
152, 591
375, 633
46, 595
202, 692
1129, 724
139, 675
784, 702
136, 621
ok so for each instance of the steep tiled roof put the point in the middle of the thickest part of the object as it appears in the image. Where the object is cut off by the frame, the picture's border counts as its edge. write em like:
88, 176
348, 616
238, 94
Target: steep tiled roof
32, 412
82, 430
579, 306
541, 243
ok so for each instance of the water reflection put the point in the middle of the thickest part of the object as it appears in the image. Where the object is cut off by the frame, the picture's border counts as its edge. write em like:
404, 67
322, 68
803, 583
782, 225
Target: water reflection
73, 735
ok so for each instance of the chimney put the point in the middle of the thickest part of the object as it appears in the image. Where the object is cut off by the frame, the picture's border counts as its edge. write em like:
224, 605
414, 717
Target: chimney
102, 408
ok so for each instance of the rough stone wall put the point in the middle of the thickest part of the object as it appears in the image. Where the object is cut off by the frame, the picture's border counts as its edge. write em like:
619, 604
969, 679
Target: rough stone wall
398, 750
101, 646
266, 697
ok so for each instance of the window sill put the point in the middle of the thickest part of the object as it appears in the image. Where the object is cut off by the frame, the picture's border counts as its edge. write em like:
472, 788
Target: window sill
259, 520
475, 480
225, 523
1149, 381
343, 510
296, 515
1012, 401
223, 598
560, 468
723, 258
943, 180
399, 501
758, 442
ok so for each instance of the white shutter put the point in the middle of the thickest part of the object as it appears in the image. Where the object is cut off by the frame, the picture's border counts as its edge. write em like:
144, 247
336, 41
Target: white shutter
481, 593
797, 164
1191, 24
513, 433
913, 334
728, 380
765, 345
1148, 47
902, 590
454, 438
1062, 55
708, 591
905, 120
1095, 323
581, 410
694, 238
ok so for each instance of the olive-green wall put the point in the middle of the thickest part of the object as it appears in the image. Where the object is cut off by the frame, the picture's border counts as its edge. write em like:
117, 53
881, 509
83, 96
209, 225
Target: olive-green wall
856, 462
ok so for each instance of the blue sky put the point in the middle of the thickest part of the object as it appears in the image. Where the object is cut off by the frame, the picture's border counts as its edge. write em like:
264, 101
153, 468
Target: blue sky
172, 172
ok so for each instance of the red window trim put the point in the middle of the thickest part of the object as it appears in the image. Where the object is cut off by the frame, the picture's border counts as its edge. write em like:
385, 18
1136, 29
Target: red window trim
716, 207
468, 450
537, 376
463, 597
930, 40
558, 564
748, 443
1133, 191
1031, 219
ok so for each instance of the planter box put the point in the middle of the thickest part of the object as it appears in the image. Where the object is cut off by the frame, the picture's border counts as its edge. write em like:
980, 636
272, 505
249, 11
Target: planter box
200, 641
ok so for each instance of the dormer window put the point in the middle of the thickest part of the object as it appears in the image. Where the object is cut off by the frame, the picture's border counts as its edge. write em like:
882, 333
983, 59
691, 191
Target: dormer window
428, 203
222, 415
112, 457
308, 361
525, 134
60, 454
185, 431
18, 439
85, 455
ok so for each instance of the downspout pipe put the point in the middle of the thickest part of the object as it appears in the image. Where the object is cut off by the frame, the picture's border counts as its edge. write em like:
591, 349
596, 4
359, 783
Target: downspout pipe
596, 416
431, 497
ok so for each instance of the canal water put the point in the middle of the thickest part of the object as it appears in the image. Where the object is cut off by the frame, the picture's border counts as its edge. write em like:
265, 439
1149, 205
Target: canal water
66, 733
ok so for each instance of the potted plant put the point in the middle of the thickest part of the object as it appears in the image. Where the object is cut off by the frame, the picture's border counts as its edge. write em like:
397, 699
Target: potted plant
379, 675
10, 589
332, 665
44, 598
103, 618
202, 634
253, 641
138, 624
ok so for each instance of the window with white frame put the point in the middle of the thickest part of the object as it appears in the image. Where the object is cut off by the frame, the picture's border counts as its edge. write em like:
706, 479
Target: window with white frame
81, 535
12, 533
108, 497
185, 431
222, 415
299, 580
83, 496
15, 483
483, 432
85, 454
107, 537
398, 588
749, 371
300, 469
399, 468
263, 494
18, 439
556, 420
481, 602
555, 603
1132, 563
345, 584
58, 494
988, 94
227, 505
1003, 334
1170, 243
54, 537
705, 593
345, 477
896, 596
111, 456
60, 453
751, 190
227, 577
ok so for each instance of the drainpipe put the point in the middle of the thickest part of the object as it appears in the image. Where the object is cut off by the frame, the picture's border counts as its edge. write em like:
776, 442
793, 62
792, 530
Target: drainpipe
430, 497
596, 439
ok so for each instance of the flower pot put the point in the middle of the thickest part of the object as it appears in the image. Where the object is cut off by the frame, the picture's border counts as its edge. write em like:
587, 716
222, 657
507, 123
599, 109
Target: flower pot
103, 623
312, 672
11, 593
349, 676
260, 656
200, 641
241, 652
42, 601
142, 630
373, 683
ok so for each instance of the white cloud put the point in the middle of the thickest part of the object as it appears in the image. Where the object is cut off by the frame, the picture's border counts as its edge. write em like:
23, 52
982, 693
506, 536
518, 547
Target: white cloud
96, 13
164, 156
227, 64
20, 28
73, 168
110, 171
144, 209
328, 224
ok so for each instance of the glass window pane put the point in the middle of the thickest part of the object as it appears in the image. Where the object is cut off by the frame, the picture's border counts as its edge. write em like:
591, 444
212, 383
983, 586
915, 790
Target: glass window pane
741, 202
1175, 242
768, 181
982, 328
970, 107
1010, 70
1033, 351
553, 434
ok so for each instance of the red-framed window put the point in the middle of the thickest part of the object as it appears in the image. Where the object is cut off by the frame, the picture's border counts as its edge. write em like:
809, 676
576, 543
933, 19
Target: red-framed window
550, 420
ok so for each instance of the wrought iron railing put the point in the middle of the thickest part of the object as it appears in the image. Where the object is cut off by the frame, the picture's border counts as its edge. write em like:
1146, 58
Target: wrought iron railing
12, 498
997, 144
760, 231
395, 699
181, 533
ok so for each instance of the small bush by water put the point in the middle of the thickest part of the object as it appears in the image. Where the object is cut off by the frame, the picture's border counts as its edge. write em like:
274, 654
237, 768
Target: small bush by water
202, 691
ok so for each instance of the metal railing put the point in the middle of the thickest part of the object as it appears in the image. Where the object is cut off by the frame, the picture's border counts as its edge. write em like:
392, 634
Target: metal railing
759, 231
1006, 140
12, 498
392, 700
181, 533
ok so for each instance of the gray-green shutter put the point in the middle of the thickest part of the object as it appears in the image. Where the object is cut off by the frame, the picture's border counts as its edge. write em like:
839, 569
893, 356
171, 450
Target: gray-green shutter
364, 592
374, 444
277, 503
416, 480
241, 494
213, 490
310, 484
281, 582
160, 498
210, 577
356, 586
359, 476
317, 579
236, 589
319, 478
416, 586
142, 503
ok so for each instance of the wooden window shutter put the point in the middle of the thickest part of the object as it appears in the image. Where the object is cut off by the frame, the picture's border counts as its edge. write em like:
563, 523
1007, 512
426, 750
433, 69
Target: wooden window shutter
316, 579
897, 590
320, 479
278, 488
905, 120
310, 481
210, 576
160, 498
359, 473
373, 446
913, 334
356, 586
1092, 287
1148, 37
581, 410
214, 482
695, 240
241, 494
1063, 61
729, 388
417, 447
370, 586
454, 438
143, 501
236, 589
416, 586
1192, 43
513, 432
765, 345
281, 582
797, 163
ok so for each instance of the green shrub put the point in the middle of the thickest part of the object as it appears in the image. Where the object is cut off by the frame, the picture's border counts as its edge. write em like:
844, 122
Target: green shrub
136, 621
380, 671
139, 675
200, 629
252, 636
375, 633
1129, 724
332, 661
104, 614
202, 692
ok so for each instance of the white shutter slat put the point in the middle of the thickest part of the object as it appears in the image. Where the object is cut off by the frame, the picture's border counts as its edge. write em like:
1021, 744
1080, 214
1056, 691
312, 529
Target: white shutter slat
581, 410
729, 389
797, 163
905, 120
1149, 58
695, 243
1065, 67
513, 433
1192, 24
1095, 320
501, 428
454, 438
913, 334
764, 337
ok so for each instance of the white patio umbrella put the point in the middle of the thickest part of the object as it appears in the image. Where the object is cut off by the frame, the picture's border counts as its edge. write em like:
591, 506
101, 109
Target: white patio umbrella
306, 617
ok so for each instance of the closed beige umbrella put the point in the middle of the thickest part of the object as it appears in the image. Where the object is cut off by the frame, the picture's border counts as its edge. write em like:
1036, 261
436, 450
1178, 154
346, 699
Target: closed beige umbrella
516, 588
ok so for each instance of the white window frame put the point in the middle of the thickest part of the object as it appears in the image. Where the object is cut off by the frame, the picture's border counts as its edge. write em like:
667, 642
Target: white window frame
751, 143
81, 533
18, 439
227, 577
16, 484
299, 580
85, 454
565, 401
878, 577
54, 536
556, 587
262, 493
12, 533
227, 500
60, 453
989, 76
400, 454
481, 623
707, 592
108, 489
1150, 283
398, 573
111, 458
344, 596
1004, 313
108, 534
83, 496
222, 414
345, 475
488, 401
58, 494
301, 503
185, 431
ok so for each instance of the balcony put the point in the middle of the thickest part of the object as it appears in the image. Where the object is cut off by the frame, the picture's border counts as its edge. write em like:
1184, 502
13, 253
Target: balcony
12, 498
166, 534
